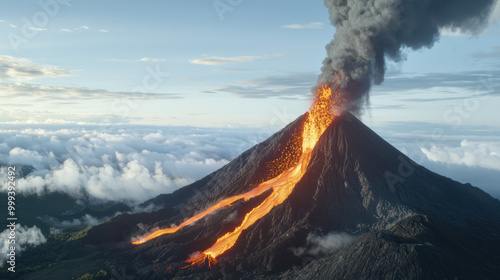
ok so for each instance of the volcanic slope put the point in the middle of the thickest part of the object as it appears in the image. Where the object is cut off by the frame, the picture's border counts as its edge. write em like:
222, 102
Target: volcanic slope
356, 183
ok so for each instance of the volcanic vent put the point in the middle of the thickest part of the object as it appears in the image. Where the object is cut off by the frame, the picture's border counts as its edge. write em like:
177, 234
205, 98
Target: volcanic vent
278, 188
353, 184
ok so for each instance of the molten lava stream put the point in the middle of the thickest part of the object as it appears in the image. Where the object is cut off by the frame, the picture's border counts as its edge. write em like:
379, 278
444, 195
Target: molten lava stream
317, 120
282, 188
260, 189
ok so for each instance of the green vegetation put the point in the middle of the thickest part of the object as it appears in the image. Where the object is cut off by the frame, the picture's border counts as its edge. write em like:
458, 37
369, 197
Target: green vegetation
101, 275
70, 236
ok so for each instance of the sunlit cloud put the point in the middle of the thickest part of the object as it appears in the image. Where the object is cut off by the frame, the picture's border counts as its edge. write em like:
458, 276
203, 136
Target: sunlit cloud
312, 25
217, 60
470, 153
144, 59
62, 93
129, 164
37, 28
15, 68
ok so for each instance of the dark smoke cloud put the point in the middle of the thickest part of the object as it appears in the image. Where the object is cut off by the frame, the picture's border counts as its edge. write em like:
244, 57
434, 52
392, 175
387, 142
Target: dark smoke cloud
370, 31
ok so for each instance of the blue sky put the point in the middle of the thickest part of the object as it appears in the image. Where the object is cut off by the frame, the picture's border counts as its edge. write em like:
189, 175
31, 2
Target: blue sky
226, 64
217, 63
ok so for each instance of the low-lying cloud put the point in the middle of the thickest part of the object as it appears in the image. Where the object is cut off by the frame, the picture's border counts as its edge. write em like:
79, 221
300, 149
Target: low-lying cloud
321, 245
470, 153
84, 221
129, 164
25, 236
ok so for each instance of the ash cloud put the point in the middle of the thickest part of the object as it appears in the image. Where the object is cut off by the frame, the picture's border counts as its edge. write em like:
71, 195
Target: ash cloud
371, 31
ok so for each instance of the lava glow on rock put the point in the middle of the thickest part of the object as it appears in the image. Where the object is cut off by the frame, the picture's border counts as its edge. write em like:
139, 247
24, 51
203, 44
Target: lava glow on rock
317, 120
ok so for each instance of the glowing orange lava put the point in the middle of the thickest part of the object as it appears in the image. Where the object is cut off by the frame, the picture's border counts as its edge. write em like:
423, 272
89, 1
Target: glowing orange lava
317, 121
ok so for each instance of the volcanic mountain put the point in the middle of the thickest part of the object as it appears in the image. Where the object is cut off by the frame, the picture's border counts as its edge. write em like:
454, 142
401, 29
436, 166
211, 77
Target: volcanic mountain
403, 221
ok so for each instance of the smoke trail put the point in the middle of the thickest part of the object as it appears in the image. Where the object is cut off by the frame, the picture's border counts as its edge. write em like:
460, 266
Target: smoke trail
370, 31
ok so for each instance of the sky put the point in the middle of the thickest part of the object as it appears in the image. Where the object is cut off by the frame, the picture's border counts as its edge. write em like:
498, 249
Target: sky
102, 91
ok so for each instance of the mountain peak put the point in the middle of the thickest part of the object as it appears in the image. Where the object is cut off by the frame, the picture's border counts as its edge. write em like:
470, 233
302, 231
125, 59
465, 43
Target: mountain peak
356, 184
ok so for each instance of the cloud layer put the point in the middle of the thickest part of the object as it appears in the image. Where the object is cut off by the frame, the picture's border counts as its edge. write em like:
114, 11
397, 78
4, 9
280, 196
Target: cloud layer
470, 153
129, 164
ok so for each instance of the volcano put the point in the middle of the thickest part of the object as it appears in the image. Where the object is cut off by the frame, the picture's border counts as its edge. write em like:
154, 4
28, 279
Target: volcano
405, 222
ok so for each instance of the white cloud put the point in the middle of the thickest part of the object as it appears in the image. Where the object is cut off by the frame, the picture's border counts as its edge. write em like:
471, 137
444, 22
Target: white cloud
217, 60
16, 68
450, 32
470, 153
25, 236
129, 164
144, 59
84, 221
317, 245
83, 28
37, 28
149, 59
16, 115
9, 24
312, 25
62, 93
441, 149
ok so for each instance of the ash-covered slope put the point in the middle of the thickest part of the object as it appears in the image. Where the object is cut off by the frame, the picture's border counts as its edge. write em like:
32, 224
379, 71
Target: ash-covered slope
355, 183
418, 247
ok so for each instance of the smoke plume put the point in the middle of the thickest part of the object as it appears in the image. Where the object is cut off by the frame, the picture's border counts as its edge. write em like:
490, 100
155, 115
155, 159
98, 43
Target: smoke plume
370, 31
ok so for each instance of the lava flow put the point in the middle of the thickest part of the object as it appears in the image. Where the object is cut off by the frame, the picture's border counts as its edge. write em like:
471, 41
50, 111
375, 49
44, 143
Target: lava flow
317, 120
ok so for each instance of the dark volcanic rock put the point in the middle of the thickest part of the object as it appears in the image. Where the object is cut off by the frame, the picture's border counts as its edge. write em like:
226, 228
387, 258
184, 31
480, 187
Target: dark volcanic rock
417, 247
356, 183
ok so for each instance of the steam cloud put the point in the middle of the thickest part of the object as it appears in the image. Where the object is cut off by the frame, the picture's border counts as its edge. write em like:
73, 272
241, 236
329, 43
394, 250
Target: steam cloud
369, 31
317, 245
